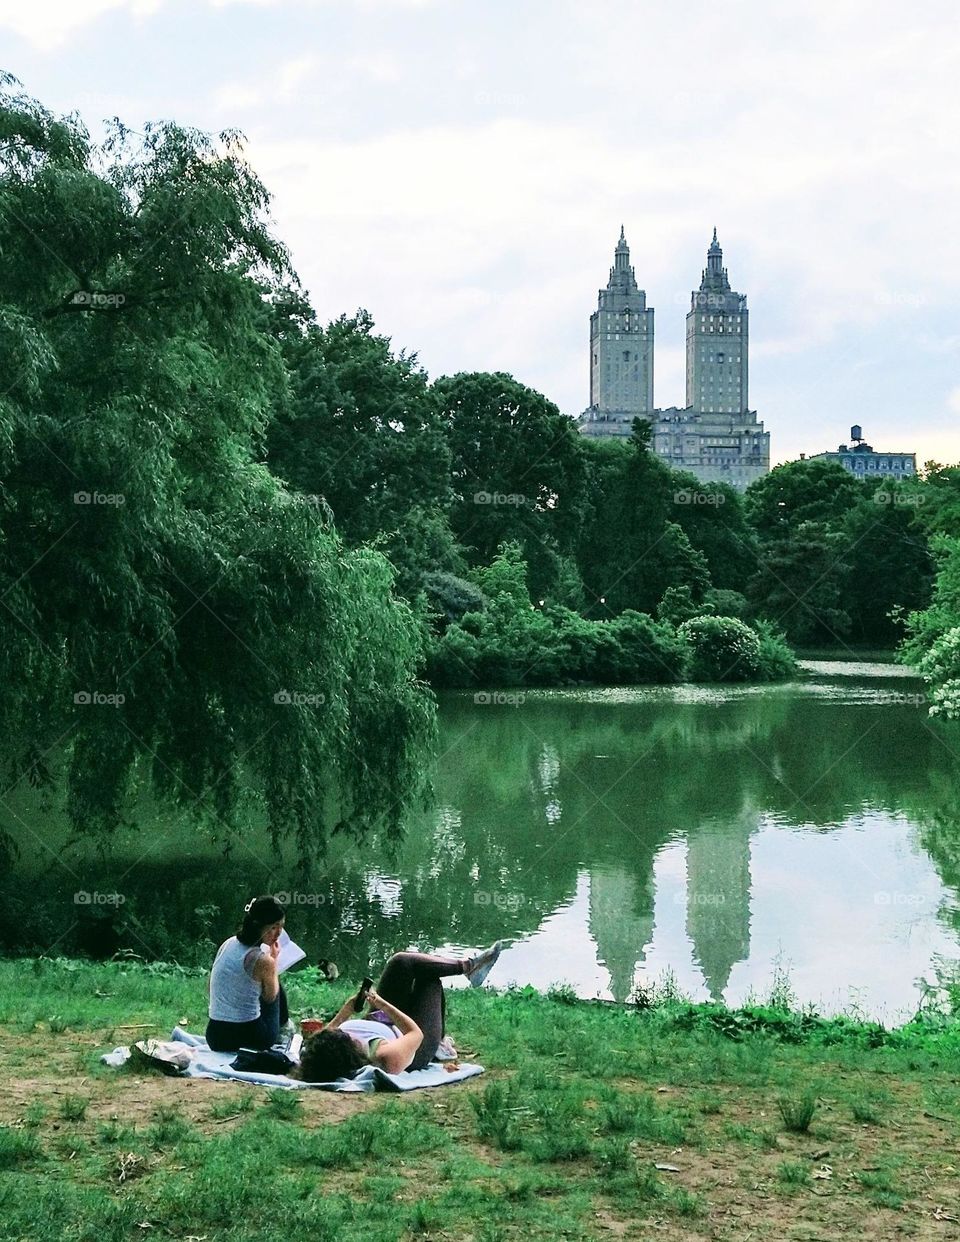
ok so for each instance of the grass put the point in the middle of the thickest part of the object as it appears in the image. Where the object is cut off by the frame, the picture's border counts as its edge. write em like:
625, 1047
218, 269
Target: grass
561, 1139
797, 1111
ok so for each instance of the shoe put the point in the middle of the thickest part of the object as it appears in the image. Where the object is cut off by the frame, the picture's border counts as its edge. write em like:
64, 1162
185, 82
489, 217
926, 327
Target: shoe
481, 966
445, 1050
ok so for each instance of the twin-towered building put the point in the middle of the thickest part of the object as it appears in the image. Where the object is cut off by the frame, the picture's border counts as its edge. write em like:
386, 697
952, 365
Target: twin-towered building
715, 436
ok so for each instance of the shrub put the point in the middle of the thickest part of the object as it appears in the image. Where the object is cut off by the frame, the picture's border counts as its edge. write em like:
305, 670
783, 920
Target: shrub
720, 649
777, 661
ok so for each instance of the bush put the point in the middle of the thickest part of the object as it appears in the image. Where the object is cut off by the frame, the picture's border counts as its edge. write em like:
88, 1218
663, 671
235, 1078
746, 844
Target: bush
777, 661
720, 649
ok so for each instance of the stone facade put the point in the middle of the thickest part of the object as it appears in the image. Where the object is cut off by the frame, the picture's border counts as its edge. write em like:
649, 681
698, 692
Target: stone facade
621, 342
865, 462
716, 436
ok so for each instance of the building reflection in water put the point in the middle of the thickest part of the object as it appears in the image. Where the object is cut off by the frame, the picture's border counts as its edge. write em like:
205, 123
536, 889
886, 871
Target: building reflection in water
718, 898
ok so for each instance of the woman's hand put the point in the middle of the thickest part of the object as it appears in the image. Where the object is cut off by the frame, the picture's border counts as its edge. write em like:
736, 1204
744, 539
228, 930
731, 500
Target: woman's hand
374, 999
274, 948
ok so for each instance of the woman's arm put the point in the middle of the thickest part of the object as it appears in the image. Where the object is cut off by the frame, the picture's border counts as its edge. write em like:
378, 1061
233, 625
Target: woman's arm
346, 1011
265, 973
394, 1055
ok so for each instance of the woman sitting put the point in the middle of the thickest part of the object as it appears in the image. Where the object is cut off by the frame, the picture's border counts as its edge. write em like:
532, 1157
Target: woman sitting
410, 1001
247, 1004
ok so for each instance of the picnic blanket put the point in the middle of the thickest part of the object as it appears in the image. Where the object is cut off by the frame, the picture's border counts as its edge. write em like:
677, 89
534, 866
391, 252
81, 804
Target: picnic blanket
204, 1063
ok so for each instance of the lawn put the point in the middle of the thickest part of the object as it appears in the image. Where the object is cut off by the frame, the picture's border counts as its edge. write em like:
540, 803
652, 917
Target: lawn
770, 1125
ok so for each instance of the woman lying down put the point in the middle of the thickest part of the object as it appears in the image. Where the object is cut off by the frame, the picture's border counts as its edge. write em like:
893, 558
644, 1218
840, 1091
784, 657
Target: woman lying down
404, 1026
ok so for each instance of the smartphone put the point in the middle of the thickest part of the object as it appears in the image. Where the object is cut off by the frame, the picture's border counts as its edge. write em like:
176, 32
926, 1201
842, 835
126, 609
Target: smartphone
361, 1000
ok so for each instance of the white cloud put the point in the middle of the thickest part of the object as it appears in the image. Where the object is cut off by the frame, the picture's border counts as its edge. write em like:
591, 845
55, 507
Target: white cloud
463, 171
48, 24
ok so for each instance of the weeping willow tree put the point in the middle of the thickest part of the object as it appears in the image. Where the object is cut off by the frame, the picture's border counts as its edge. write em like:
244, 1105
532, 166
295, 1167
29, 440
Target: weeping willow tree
175, 623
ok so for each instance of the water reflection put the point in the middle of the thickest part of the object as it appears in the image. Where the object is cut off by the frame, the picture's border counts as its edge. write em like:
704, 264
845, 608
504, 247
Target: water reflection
612, 833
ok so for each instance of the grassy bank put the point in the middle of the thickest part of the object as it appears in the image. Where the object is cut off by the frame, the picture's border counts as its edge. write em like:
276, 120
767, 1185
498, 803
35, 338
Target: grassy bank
774, 1125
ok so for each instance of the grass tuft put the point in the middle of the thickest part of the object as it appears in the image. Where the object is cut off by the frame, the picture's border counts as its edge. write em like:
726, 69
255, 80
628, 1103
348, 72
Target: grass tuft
797, 1111
73, 1107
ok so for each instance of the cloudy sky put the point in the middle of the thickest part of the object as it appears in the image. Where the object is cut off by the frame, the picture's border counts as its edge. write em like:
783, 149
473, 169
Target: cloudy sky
462, 170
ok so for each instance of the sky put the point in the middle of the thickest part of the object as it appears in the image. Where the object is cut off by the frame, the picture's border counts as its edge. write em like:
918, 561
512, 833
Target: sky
462, 170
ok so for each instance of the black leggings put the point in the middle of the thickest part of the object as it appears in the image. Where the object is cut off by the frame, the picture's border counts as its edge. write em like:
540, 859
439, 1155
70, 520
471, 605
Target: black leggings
262, 1032
411, 981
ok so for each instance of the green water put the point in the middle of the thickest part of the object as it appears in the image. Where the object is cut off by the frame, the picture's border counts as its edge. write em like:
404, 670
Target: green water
613, 835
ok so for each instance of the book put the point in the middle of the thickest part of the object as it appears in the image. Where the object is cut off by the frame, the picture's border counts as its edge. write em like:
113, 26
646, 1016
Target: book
290, 952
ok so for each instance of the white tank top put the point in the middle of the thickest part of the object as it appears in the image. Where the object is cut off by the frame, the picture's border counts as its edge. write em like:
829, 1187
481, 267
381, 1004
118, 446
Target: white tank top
368, 1030
234, 995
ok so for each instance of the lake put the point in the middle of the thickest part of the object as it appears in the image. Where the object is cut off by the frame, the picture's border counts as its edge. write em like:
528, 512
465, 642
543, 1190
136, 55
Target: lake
615, 836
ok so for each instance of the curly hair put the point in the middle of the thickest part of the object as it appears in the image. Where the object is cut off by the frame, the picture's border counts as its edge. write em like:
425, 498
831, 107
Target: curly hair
328, 1055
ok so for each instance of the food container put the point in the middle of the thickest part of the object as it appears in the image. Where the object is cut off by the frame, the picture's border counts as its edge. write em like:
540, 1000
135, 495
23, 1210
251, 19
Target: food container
310, 1026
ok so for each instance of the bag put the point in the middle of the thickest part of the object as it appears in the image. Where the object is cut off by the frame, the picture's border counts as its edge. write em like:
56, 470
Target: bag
167, 1055
263, 1061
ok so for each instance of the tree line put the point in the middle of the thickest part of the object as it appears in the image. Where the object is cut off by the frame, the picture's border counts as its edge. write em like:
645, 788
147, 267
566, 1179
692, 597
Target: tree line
235, 542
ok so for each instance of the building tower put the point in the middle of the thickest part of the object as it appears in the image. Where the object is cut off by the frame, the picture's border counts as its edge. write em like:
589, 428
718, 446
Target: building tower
717, 342
621, 345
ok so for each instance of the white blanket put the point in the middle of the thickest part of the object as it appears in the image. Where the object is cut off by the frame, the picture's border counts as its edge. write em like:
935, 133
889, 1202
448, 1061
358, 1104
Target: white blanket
207, 1064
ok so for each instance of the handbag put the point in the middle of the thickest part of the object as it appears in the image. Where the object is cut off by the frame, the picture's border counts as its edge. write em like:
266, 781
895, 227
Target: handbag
263, 1061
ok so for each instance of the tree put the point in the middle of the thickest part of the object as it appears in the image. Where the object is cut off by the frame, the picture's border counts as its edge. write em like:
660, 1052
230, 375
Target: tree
362, 430
891, 569
632, 549
800, 491
799, 584
713, 518
176, 621
517, 473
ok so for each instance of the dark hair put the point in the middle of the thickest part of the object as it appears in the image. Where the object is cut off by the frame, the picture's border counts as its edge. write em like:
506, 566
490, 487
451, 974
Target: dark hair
329, 1055
261, 913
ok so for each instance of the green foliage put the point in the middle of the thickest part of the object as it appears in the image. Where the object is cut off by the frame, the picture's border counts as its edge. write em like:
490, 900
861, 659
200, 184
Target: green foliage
797, 1111
777, 661
163, 587
932, 641
361, 429
793, 1173
513, 643
73, 1107
678, 606
517, 472
451, 596
800, 583
798, 492
18, 1147
721, 649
